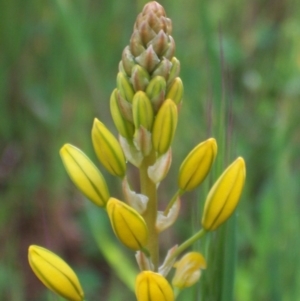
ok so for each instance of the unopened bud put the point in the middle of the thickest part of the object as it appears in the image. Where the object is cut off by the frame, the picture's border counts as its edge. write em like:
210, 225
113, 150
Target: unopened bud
162, 69
124, 127
174, 70
85, 175
160, 43
224, 195
197, 164
150, 286
124, 86
128, 225
55, 273
108, 149
175, 91
156, 91
148, 59
128, 60
140, 78
164, 126
142, 111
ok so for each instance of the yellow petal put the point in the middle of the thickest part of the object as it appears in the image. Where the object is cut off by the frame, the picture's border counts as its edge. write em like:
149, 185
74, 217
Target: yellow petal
224, 195
197, 164
108, 149
55, 273
128, 225
188, 270
150, 286
85, 174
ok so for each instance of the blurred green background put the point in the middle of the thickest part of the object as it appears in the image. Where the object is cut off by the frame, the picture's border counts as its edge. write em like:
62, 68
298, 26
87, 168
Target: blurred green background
58, 65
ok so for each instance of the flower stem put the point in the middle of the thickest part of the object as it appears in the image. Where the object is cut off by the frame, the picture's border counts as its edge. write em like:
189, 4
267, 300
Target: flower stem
187, 244
148, 188
178, 193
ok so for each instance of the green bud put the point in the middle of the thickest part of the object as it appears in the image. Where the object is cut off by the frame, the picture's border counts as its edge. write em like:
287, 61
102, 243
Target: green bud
142, 111
124, 127
169, 53
162, 69
160, 43
140, 78
164, 126
174, 70
108, 149
175, 91
128, 60
156, 91
136, 44
148, 59
146, 32
125, 107
124, 86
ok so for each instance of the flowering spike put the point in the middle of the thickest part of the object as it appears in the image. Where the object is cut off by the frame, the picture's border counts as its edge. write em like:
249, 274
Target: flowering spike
55, 273
188, 270
124, 127
197, 164
164, 126
85, 175
108, 149
128, 224
224, 195
151, 286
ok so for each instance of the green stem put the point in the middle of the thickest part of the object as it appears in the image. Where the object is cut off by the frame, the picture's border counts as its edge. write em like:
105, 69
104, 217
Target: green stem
178, 193
148, 188
187, 244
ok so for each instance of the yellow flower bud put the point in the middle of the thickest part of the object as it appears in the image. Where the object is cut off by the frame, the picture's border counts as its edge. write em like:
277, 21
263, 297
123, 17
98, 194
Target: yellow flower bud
55, 273
188, 270
108, 149
85, 174
128, 225
175, 91
164, 126
124, 127
142, 111
125, 87
224, 195
197, 164
150, 286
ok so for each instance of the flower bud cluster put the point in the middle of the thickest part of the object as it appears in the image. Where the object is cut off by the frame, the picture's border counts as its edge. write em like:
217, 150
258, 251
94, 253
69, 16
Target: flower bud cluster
144, 108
